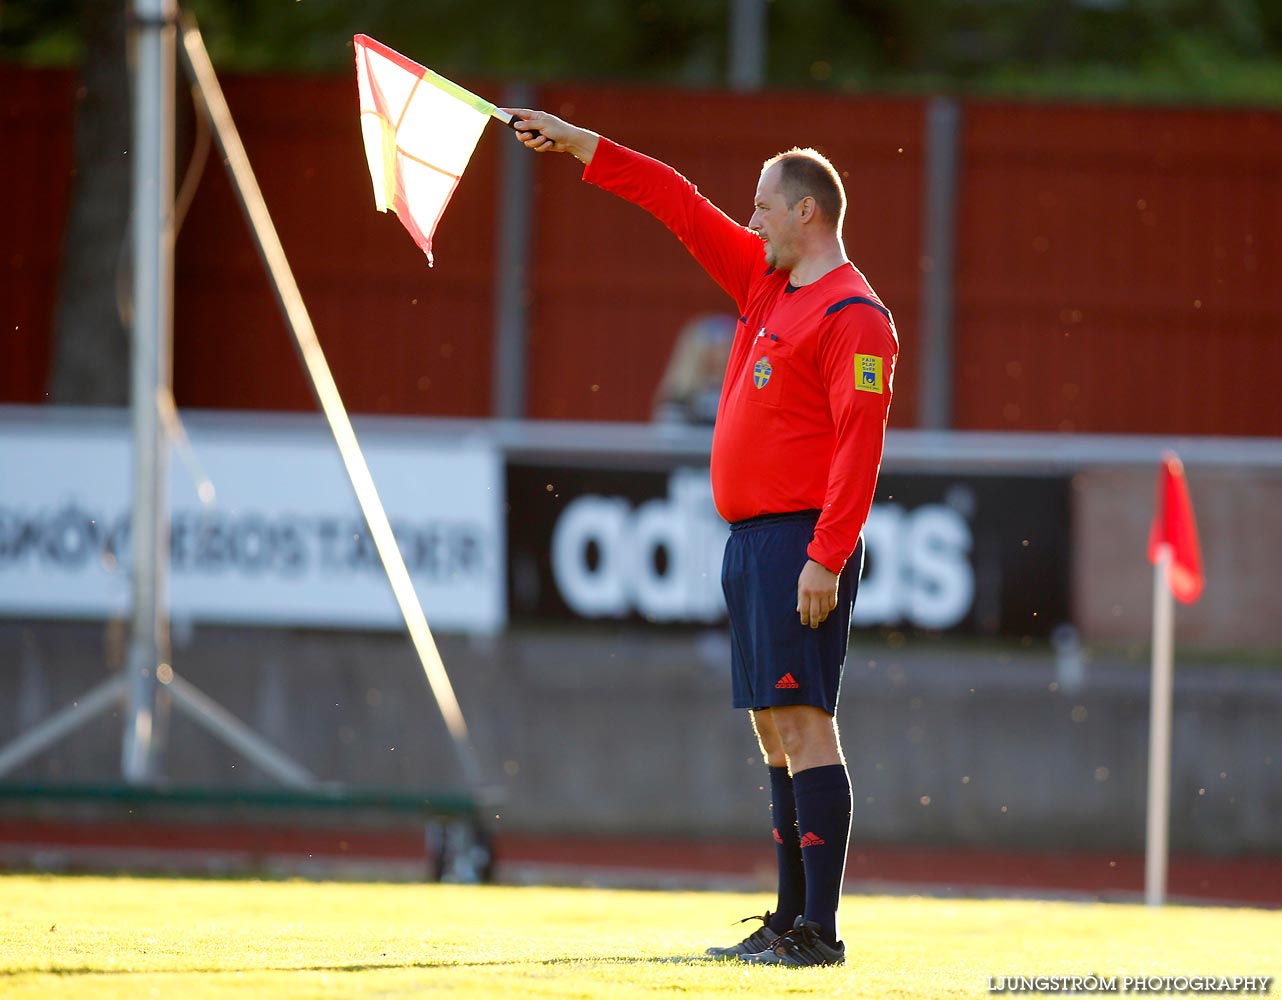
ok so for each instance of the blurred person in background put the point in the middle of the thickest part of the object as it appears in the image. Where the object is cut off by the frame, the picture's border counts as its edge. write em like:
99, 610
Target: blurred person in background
690, 388
796, 451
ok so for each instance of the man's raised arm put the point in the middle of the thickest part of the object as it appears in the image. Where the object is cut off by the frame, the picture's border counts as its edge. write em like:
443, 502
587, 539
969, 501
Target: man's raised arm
729, 252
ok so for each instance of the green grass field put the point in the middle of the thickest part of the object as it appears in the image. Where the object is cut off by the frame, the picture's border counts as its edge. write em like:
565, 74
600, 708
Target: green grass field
133, 938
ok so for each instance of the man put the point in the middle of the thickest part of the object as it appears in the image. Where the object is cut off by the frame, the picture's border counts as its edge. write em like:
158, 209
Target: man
796, 450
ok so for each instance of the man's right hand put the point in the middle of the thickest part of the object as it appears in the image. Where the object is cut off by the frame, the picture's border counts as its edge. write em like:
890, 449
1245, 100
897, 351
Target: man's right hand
545, 133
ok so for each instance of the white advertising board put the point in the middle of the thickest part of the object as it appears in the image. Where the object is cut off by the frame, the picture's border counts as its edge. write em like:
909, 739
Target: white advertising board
283, 542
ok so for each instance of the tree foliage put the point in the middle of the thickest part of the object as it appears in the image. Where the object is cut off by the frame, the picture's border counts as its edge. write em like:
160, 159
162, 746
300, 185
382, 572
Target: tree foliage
1174, 49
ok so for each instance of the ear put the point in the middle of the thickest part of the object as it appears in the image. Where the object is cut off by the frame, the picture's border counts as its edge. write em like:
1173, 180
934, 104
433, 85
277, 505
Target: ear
806, 208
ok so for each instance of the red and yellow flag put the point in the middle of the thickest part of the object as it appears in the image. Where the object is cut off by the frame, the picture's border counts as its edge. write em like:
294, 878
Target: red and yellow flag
420, 130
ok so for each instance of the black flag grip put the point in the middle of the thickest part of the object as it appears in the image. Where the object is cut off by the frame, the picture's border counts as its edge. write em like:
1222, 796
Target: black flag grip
513, 126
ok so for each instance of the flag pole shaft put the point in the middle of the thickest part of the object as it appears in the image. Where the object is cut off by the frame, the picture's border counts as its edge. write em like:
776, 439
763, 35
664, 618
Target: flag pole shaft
1159, 739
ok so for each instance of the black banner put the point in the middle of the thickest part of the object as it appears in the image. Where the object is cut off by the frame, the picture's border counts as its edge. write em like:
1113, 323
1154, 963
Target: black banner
986, 555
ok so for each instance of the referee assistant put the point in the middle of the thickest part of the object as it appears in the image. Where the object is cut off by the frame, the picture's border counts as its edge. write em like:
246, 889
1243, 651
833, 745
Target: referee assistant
796, 450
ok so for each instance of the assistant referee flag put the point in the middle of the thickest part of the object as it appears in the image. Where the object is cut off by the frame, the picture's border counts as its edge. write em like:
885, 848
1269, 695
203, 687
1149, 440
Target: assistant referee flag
420, 130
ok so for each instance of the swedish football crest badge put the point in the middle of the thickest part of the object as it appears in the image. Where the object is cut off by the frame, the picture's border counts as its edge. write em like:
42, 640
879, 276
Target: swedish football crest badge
868, 373
761, 372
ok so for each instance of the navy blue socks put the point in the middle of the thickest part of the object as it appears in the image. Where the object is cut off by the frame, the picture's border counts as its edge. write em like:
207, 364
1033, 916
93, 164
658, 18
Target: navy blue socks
792, 874
823, 817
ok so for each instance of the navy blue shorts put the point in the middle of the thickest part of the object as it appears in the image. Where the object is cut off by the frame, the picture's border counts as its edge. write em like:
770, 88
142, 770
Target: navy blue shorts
774, 659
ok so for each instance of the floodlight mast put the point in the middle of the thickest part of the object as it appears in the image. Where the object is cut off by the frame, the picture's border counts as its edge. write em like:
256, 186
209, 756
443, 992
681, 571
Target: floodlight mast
154, 30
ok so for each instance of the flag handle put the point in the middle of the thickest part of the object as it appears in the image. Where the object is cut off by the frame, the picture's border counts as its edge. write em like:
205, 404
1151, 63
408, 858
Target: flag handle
509, 120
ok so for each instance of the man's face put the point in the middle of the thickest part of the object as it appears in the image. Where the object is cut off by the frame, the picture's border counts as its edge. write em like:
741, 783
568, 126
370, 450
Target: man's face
775, 222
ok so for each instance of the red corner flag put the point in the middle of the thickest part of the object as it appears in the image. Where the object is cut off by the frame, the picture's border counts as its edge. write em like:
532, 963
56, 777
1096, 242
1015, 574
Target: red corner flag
1173, 525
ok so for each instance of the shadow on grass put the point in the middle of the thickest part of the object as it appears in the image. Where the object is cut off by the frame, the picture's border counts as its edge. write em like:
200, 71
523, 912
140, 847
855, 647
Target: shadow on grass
371, 967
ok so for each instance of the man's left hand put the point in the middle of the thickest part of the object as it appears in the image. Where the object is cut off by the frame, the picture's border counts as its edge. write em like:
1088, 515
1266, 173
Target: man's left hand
816, 593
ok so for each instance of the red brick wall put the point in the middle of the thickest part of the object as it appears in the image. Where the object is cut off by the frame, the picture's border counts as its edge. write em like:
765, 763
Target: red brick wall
1118, 269
36, 113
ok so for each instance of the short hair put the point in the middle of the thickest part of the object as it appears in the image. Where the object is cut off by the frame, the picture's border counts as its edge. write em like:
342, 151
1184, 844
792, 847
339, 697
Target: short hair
805, 172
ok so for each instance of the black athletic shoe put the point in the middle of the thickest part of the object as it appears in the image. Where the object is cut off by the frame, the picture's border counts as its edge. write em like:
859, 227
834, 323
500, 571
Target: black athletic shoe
800, 946
759, 940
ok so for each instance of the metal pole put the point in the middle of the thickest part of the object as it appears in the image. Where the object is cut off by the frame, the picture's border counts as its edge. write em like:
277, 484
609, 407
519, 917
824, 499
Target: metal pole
943, 126
511, 277
1157, 838
153, 237
212, 716
747, 43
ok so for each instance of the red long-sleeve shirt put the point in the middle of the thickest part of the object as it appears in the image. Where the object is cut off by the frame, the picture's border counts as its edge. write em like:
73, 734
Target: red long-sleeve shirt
802, 417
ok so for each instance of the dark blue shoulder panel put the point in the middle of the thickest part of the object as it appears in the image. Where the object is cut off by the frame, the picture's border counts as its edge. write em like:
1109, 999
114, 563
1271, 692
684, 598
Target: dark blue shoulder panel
858, 300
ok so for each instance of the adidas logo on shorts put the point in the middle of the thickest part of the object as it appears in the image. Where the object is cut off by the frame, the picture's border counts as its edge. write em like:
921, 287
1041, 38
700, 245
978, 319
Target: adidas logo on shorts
787, 681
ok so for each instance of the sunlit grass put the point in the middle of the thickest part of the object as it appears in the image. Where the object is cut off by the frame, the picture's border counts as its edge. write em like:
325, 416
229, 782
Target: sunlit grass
131, 938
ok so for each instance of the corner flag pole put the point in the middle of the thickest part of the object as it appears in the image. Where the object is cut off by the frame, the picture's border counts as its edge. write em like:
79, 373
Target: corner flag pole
1157, 836
326, 391
1177, 575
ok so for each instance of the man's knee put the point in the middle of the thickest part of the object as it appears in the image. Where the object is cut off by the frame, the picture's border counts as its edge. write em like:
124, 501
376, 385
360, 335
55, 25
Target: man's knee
804, 731
768, 738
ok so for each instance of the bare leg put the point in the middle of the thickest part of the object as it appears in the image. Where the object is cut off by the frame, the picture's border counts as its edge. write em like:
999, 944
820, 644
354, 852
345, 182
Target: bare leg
807, 736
